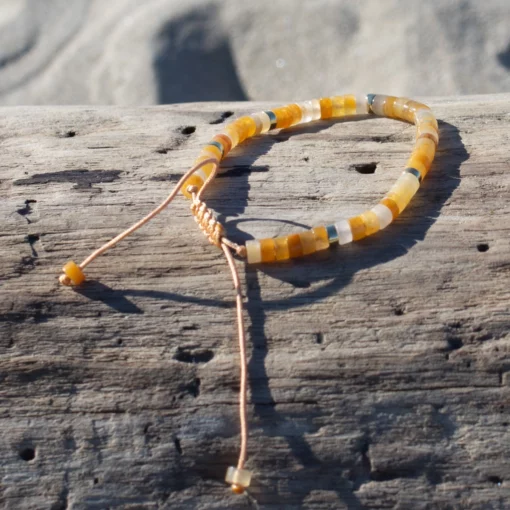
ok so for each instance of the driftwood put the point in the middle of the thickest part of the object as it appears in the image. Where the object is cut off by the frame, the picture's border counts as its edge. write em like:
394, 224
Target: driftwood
379, 372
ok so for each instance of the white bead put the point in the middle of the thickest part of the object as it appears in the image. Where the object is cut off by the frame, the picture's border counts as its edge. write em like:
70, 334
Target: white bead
378, 104
253, 253
258, 123
316, 109
264, 119
240, 477
343, 228
384, 215
307, 109
361, 104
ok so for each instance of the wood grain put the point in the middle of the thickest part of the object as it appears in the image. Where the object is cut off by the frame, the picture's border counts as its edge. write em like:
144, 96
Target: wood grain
379, 372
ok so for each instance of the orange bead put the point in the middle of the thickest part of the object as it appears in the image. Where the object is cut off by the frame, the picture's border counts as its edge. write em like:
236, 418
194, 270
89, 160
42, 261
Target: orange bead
307, 242
267, 250
358, 227
392, 206
283, 117
295, 248
326, 108
282, 248
74, 273
321, 238
297, 113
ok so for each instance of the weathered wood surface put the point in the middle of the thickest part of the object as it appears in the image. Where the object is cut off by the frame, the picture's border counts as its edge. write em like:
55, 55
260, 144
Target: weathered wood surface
379, 372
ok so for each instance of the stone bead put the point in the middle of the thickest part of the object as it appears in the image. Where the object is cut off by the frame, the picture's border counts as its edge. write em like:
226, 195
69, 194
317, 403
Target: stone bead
326, 108
384, 215
362, 104
232, 133
425, 115
295, 248
358, 228
283, 117
307, 239
264, 120
391, 205
296, 112
427, 131
282, 248
350, 104
212, 150
253, 254
377, 105
338, 106
388, 107
74, 273
267, 250
427, 147
321, 238
371, 222
344, 231
404, 190
237, 476
399, 106
419, 162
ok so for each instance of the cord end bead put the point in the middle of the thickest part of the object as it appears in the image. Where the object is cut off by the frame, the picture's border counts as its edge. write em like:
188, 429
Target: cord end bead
72, 274
239, 479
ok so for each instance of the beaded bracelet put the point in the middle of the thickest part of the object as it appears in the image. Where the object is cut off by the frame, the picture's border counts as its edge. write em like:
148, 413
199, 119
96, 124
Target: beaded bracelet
196, 180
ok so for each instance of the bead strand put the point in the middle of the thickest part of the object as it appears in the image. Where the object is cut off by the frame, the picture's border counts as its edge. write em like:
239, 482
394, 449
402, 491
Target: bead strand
342, 231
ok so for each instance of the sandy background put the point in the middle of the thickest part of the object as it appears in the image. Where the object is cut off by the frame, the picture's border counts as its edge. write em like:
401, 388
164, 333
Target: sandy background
165, 51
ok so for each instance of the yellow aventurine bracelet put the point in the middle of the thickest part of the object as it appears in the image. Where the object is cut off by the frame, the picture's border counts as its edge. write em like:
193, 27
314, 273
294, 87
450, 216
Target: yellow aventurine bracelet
197, 179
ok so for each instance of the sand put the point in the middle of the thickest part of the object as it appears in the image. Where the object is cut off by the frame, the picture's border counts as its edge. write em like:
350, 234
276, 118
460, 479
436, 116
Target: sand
131, 52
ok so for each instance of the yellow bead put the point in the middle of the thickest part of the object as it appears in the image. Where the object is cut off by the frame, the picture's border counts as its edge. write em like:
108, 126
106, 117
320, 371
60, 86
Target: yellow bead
358, 228
233, 134
212, 151
297, 113
388, 107
295, 248
74, 273
282, 248
371, 222
283, 117
404, 190
326, 108
426, 147
307, 239
238, 478
350, 105
391, 205
321, 238
338, 106
267, 250
253, 254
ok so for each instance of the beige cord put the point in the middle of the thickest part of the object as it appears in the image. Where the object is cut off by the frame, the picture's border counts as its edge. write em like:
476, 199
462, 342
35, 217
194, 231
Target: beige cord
214, 232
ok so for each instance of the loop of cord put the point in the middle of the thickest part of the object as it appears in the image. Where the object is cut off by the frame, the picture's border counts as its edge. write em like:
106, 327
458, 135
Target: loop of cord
214, 231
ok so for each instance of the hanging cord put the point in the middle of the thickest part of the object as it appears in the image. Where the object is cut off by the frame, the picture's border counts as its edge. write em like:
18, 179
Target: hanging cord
214, 232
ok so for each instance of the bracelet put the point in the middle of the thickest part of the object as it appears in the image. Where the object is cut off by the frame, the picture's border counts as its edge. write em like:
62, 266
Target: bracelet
196, 180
